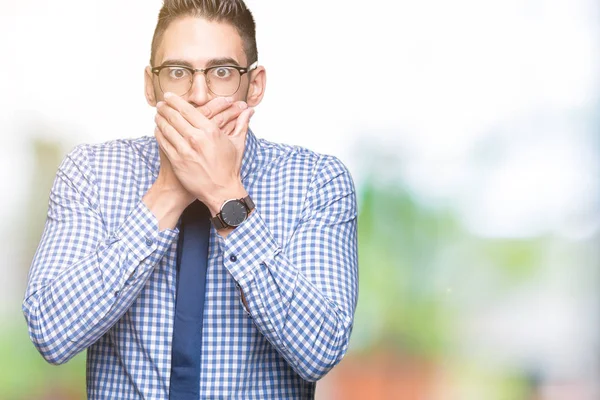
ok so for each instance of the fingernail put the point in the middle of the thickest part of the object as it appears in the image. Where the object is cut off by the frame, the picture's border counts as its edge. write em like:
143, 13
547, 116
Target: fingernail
160, 104
229, 99
168, 94
243, 105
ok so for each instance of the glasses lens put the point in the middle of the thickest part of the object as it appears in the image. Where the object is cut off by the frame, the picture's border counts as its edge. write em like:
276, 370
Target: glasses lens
175, 80
223, 81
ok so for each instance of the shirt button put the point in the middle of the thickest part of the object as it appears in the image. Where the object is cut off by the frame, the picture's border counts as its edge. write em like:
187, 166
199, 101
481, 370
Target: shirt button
233, 258
149, 241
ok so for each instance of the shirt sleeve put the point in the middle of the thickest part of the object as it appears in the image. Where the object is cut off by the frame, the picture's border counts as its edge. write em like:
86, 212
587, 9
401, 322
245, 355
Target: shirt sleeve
302, 294
83, 278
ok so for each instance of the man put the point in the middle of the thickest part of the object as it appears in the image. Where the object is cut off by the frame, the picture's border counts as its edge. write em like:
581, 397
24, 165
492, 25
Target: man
268, 309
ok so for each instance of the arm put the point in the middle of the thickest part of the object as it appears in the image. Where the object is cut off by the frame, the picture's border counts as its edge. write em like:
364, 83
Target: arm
302, 295
83, 278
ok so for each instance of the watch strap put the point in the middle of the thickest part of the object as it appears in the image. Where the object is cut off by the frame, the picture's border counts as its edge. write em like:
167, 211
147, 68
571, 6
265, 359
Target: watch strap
217, 222
248, 203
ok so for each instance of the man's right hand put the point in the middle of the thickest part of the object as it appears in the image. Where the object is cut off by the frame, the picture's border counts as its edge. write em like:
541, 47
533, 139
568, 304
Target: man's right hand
167, 198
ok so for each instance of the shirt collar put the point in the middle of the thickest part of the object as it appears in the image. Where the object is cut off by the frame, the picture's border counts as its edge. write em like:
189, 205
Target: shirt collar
248, 160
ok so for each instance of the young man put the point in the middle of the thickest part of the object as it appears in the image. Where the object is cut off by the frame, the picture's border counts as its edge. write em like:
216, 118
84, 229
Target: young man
200, 262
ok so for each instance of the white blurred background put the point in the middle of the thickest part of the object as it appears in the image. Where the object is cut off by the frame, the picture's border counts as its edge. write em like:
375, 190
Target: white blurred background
481, 113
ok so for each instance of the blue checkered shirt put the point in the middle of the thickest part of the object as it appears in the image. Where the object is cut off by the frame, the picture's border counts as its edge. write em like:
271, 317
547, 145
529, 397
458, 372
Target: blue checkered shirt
103, 276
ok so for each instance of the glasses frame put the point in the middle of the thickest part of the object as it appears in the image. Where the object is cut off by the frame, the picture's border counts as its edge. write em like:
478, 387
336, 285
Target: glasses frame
204, 71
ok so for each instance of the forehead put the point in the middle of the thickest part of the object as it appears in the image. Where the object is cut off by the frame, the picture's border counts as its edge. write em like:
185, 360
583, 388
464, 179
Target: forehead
197, 40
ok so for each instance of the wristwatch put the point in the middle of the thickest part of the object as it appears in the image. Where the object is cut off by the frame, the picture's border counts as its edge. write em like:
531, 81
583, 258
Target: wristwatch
233, 213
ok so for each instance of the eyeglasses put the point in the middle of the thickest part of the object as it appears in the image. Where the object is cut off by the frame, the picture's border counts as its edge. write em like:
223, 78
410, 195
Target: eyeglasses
222, 80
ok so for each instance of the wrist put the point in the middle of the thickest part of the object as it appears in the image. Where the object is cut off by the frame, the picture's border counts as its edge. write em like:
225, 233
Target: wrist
166, 207
216, 201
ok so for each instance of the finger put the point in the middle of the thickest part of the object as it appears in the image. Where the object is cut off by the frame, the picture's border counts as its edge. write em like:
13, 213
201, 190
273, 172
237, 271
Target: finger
241, 126
193, 117
229, 128
215, 106
171, 135
230, 114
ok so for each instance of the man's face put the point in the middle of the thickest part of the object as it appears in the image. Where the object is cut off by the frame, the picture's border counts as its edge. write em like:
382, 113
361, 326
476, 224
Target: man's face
198, 43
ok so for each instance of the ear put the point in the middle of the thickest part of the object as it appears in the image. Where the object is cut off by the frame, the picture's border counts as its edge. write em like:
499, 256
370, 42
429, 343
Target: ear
149, 87
256, 90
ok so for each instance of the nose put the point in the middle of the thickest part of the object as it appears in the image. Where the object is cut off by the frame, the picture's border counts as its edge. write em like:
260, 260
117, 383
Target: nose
199, 93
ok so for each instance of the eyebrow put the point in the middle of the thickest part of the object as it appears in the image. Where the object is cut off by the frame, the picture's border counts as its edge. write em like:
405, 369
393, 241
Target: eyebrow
211, 63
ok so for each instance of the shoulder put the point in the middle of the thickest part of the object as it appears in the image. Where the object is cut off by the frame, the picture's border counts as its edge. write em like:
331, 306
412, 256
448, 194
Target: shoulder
112, 153
113, 148
297, 160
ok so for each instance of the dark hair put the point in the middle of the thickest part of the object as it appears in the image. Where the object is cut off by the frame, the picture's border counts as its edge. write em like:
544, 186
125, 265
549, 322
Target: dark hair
233, 12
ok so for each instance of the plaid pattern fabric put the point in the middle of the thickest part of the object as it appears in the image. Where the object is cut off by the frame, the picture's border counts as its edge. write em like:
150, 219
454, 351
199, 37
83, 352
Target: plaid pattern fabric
103, 276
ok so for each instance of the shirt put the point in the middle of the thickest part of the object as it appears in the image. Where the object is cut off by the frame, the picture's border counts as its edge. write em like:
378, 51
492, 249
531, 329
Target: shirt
103, 277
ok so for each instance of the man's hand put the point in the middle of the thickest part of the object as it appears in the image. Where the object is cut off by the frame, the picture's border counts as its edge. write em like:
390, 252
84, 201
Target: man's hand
206, 161
221, 111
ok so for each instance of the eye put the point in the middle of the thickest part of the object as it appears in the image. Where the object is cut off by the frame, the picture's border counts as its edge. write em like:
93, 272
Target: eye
177, 73
222, 72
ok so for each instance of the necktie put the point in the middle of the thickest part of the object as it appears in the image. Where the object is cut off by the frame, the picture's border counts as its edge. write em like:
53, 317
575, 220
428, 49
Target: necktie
192, 260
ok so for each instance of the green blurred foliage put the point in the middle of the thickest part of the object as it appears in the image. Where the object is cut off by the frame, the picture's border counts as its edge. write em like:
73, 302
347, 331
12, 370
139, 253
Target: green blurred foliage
413, 258
517, 259
399, 306
420, 272
24, 374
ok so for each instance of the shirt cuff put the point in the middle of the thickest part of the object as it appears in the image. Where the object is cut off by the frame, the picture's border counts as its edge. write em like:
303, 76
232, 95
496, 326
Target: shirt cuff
246, 247
141, 237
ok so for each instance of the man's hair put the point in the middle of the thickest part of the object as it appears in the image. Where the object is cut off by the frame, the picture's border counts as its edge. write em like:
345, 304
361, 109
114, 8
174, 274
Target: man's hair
233, 12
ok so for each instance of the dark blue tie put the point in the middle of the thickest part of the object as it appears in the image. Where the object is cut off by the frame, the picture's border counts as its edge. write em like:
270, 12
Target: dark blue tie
192, 260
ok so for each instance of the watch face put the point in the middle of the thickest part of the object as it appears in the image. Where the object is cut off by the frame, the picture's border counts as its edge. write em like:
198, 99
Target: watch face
233, 212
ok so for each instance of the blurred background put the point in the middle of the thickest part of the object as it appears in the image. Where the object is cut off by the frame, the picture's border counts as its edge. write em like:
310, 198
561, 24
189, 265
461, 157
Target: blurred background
472, 131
